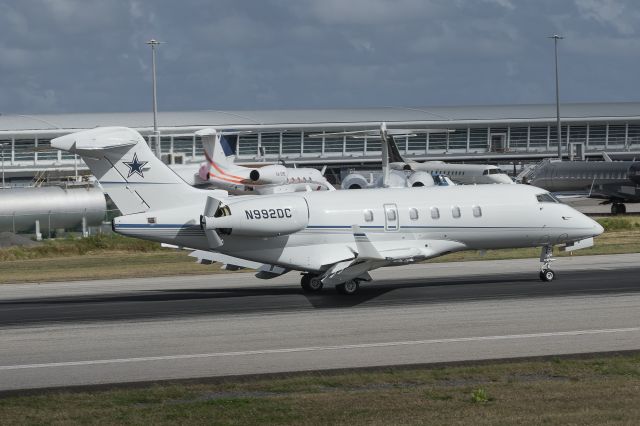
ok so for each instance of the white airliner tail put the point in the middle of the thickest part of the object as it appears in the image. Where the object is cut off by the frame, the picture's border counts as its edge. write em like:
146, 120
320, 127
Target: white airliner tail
128, 171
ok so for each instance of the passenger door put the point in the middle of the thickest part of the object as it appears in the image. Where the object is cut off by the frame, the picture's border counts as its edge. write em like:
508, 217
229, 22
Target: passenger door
391, 221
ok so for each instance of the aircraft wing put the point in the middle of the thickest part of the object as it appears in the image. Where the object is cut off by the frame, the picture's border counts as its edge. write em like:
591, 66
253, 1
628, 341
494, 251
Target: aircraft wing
369, 256
265, 271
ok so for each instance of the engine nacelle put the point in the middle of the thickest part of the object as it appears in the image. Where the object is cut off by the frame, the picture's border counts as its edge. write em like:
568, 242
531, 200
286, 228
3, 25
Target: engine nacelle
263, 217
272, 174
355, 181
420, 179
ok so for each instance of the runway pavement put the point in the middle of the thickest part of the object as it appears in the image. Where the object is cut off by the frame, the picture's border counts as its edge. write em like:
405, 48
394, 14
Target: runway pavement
93, 332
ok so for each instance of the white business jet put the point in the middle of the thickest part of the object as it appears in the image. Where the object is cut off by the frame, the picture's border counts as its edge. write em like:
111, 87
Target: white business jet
391, 178
466, 174
220, 171
333, 237
397, 172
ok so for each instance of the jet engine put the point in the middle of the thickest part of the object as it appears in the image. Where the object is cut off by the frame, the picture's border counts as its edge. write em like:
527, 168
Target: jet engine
275, 174
355, 181
264, 217
420, 179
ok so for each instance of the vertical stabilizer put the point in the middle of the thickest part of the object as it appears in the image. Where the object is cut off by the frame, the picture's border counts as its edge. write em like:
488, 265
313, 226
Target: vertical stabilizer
134, 178
219, 148
394, 153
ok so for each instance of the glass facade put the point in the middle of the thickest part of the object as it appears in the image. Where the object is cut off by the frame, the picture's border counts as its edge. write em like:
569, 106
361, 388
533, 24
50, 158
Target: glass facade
518, 138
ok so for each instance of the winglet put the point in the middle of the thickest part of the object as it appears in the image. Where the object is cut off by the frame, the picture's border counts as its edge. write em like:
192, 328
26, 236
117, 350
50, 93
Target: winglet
364, 246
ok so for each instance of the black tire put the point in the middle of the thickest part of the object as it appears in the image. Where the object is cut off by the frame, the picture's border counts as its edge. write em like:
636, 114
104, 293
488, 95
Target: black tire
311, 283
349, 288
622, 209
615, 209
547, 275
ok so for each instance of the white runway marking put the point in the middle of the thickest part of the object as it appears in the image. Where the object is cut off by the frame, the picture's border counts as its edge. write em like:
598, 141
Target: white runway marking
319, 348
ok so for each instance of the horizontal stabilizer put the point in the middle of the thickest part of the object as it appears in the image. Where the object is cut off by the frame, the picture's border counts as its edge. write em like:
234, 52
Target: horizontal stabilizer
99, 139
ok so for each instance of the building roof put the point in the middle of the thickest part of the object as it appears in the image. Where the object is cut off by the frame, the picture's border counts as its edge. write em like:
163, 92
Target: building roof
301, 118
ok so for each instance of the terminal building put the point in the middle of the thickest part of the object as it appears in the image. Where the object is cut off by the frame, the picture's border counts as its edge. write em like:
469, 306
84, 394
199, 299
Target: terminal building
504, 134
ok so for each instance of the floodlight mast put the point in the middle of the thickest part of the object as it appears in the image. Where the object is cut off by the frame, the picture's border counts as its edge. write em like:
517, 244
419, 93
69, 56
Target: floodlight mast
156, 134
555, 38
2, 145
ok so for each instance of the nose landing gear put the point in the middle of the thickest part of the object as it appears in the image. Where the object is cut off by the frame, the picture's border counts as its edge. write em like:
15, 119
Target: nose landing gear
546, 257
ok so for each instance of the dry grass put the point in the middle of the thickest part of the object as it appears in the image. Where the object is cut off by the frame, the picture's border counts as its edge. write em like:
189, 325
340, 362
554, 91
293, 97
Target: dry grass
579, 391
611, 242
106, 265
121, 257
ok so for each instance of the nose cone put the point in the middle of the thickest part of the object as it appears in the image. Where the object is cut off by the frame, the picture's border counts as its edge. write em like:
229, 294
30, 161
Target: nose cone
598, 228
501, 178
592, 228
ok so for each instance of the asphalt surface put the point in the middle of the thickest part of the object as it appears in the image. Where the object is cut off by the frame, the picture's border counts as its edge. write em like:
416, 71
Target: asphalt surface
94, 332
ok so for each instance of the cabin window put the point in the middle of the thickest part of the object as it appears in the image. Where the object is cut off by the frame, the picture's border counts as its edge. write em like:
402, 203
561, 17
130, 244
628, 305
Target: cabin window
455, 211
391, 214
477, 211
435, 213
546, 198
368, 216
413, 213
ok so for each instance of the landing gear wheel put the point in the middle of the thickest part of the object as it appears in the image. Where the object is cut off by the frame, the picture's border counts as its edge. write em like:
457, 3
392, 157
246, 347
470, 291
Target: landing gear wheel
547, 275
349, 288
310, 283
618, 208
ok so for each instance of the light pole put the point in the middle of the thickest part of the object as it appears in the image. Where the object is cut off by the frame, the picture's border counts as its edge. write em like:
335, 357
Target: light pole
555, 38
156, 134
2, 145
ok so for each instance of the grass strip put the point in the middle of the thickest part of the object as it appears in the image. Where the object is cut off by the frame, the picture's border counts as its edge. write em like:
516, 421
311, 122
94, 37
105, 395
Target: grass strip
115, 256
585, 391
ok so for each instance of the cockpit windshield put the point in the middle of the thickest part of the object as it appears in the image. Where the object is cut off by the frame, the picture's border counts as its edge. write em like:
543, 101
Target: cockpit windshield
546, 198
495, 171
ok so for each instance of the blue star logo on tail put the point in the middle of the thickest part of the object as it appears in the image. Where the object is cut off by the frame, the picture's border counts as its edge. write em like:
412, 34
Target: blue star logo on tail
135, 166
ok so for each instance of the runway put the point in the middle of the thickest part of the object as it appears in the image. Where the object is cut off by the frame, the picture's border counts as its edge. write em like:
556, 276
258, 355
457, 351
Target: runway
94, 332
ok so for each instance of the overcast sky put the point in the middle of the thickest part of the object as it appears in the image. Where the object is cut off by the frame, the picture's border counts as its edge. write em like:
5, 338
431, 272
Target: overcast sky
59, 56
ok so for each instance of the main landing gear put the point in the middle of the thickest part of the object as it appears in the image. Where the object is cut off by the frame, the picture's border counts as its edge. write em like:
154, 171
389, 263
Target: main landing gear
546, 257
618, 208
349, 288
311, 283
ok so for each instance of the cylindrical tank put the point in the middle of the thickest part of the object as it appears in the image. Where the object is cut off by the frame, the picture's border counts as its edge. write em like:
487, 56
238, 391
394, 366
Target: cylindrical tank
53, 206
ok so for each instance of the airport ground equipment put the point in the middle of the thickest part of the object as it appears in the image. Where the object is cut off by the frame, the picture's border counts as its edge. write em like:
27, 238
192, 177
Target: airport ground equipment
334, 236
46, 209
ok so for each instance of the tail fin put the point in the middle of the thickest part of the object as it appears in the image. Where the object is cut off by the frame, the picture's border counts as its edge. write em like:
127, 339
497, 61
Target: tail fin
219, 148
394, 153
134, 178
